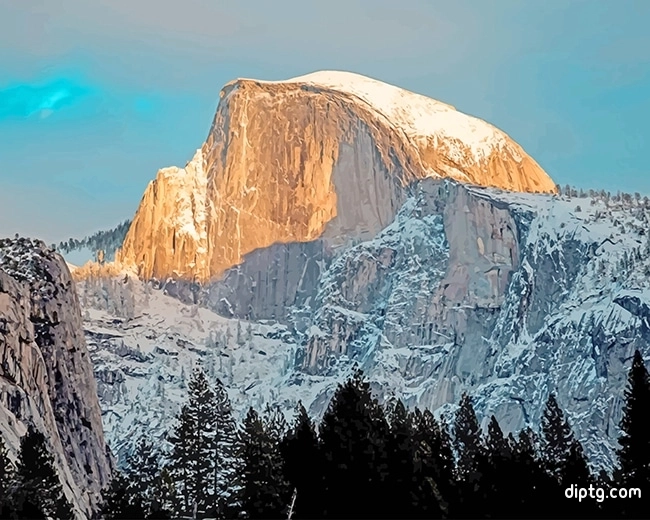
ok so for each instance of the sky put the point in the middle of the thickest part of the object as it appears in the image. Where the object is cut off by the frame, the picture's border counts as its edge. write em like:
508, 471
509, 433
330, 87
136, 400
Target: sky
96, 96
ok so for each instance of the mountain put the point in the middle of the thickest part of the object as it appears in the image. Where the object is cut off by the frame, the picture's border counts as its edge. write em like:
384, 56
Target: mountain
509, 296
331, 220
325, 155
46, 376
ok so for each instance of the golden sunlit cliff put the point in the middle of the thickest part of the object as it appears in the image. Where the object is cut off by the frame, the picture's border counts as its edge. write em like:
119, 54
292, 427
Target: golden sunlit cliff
324, 155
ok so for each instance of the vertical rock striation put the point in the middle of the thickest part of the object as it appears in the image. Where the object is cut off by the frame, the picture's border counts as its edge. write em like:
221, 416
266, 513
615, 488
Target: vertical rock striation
325, 155
46, 376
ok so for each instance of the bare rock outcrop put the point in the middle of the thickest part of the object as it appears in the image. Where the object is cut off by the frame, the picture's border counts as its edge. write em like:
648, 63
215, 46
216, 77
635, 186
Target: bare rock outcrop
46, 377
325, 155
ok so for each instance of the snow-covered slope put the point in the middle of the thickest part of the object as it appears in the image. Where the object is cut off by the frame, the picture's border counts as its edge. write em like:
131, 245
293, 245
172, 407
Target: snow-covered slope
510, 296
420, 117
145, 347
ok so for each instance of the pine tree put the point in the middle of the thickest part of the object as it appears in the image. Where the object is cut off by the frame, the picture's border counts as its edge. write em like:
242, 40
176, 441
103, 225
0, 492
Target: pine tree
400, 449
193, 441
634, 454
7, 473
241, 341
531, 485
165, 495
354, 432
226, 465
471, 458
182, 439
499, 469
119, 502
37, 478
467, 439
143, 475
434, 467
302, 465
264, 488
559, 447
249, 333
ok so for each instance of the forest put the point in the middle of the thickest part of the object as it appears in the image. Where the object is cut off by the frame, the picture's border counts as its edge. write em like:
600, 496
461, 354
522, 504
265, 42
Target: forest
362, 460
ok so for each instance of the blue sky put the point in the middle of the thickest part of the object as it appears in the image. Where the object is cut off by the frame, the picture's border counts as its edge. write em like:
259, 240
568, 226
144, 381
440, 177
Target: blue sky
96, 96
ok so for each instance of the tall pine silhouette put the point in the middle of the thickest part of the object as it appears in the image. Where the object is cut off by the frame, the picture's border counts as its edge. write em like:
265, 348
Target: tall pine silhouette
562, 454
7, 471
264, 490
472, 460
225, 483
303, 465
634, 452
354, 433
434, 467
37, 481
499, 470
119, 502
194, 443
401, 485
144, 479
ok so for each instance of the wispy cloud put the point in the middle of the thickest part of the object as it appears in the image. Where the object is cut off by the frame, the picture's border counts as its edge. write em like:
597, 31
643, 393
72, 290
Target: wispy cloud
24, 100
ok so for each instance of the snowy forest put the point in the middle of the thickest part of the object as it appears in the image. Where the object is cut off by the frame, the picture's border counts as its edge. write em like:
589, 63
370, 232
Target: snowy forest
107, 241
363, 460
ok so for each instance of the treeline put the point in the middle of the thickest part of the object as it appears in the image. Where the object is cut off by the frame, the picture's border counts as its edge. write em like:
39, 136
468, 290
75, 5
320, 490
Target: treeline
364, 460
108, 241
367, 460
30, 488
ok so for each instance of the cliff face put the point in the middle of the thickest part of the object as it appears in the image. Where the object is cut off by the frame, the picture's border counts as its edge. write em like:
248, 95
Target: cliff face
326, 155
46, 376
509, 296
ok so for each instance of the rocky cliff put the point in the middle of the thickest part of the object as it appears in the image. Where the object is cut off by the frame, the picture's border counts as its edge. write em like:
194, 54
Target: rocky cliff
328, 155
509, 296
46, 376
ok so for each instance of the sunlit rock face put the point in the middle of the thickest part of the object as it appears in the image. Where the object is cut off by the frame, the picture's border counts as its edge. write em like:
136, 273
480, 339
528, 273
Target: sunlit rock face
328, 155
46, 377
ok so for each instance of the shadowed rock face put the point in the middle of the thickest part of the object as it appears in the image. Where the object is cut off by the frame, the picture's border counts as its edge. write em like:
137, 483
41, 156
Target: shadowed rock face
46, 377
435, 275
306, 159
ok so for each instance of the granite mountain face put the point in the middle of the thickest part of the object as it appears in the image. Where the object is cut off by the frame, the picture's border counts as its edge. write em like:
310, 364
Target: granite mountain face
331, 220
46, 375
325, 155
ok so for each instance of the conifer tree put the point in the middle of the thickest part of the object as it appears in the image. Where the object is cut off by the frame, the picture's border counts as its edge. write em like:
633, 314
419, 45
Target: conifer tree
7, 473
400, 449
468, 441
499, 470
302, 465
119, 502
165, 495
354, 432
264, 488
226, 465
560, 450
180, 468
471, 458
634, 452
37, 480
193, 448
143, 476
434, 467
530, 491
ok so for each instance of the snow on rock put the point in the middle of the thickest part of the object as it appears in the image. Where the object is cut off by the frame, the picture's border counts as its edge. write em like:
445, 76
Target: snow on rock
46, 377
329, 155
509, 296
417, 115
